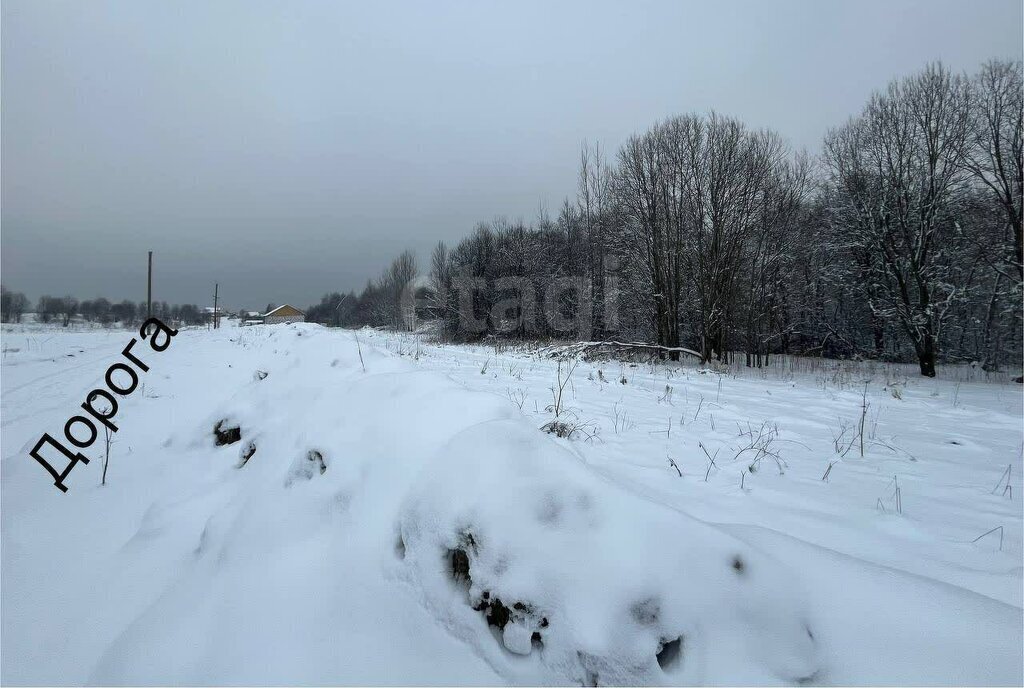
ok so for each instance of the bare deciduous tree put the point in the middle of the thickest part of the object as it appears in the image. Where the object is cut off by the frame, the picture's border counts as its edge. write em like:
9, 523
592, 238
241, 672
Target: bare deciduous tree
899, 175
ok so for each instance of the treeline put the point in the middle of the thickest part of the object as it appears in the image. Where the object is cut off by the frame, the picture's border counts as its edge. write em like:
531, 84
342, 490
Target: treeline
900, 241
62, 309
386, 301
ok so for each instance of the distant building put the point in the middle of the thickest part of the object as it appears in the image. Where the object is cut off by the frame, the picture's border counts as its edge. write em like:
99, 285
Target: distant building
210, 313
426, 303
284, 314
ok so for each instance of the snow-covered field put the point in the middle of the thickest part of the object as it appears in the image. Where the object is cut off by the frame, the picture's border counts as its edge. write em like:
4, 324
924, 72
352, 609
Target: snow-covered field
403, 519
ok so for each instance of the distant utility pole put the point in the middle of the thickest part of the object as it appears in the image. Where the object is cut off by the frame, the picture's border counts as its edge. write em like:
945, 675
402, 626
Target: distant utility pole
215, 323
149, 289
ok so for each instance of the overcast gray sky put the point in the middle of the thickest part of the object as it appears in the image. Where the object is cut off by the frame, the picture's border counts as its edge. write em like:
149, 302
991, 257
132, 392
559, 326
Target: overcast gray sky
287, 149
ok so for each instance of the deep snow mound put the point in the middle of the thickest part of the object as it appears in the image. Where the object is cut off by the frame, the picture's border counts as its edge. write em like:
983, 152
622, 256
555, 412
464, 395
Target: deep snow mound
556, 576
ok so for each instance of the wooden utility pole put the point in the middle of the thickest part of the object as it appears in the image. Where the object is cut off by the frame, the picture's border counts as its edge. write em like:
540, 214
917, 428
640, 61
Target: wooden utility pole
149, 289
215, 323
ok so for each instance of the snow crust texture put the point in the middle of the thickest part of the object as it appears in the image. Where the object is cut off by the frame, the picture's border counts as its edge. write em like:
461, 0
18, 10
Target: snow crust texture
288, 505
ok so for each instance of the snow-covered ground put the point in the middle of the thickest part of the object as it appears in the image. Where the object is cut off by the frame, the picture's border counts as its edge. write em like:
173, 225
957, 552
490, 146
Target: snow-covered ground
403, 519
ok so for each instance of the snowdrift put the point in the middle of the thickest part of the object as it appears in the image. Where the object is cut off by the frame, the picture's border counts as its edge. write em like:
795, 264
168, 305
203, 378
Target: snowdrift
566, 578
556, 576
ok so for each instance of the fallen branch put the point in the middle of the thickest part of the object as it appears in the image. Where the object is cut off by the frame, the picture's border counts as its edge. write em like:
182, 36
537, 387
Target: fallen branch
587, 349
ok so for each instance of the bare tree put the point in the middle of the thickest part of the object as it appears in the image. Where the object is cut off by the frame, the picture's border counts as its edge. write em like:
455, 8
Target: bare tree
12, 305
724, 172
772, 254
396, 304
898, 172
66, 308
640, 186
995, 153
594, 199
